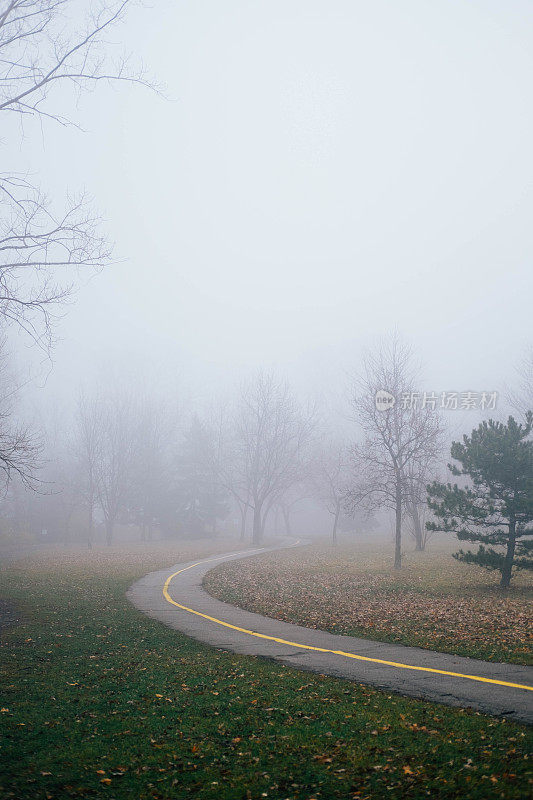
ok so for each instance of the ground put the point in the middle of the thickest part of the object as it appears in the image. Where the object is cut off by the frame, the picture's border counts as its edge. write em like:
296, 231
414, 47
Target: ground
434, 602
101, 701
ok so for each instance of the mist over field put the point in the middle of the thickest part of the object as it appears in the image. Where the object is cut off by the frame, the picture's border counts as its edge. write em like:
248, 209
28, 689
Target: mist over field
266, 399
283, 190
316, 177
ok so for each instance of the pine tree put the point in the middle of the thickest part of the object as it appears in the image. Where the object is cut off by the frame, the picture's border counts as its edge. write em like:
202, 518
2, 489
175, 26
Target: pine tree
497, 509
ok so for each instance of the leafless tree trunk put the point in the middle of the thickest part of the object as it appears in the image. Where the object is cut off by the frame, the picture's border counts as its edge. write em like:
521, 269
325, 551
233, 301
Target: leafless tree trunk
257, 525
398, 521
271, 435
228, 465
243, 510
413, 511
285, 510
400, 432
88, 445
335, 523
289, 499
420, 471
329, 476
112, 422
417, 527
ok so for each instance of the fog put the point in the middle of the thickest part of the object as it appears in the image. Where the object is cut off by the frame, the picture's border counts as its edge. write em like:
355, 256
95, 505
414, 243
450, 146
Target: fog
312, 179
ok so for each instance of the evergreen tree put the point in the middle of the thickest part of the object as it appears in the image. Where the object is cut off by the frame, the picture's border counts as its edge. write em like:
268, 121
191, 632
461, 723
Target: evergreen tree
497, 509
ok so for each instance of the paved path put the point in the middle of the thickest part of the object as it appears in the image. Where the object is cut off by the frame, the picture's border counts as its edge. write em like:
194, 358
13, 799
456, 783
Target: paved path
175, 597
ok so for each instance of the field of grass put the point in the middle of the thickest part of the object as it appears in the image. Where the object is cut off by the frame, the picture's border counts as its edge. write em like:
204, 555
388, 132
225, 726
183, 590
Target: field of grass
433, 602
100, 701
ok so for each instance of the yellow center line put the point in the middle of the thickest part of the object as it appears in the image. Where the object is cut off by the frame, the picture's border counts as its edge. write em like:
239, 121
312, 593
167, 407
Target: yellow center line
396, 664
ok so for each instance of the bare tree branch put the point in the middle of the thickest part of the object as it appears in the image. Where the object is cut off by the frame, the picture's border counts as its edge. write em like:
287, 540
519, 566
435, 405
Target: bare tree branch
399, 441
40, 254
271, 437
20, 447
43, 44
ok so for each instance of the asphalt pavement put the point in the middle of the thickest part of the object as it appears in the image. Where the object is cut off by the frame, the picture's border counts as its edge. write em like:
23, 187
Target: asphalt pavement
176, 597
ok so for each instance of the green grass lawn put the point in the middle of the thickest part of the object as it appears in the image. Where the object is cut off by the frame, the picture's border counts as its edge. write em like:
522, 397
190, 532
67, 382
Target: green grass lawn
433, 601
100, 701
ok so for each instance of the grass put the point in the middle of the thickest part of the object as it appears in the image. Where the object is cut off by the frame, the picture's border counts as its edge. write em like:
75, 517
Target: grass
433, 602
100, 701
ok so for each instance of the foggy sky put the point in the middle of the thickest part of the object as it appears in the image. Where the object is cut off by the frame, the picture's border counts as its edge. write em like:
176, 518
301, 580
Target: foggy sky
322, 173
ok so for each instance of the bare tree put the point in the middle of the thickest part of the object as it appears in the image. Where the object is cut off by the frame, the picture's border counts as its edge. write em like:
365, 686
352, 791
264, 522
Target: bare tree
61, 497
329, 479
152, 440
87, 452
114, 462
419, 472
289, 500
228, 465
20, 446
43, 45
521, 398
271, 437
400, 434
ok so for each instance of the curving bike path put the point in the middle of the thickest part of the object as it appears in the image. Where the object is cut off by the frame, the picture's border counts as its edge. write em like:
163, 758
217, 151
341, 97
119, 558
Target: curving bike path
175, 596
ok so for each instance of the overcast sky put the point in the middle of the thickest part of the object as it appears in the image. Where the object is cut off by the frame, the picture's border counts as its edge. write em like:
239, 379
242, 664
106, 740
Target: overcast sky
322, 173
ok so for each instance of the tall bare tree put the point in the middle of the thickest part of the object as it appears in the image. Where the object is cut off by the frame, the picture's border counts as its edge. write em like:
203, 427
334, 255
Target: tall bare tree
45, 44
87, 443
61, 496
228, 464
329, 479
272, 434
400, 433
116, 430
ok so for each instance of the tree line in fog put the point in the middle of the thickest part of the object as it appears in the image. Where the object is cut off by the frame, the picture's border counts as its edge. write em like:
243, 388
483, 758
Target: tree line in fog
124, 457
